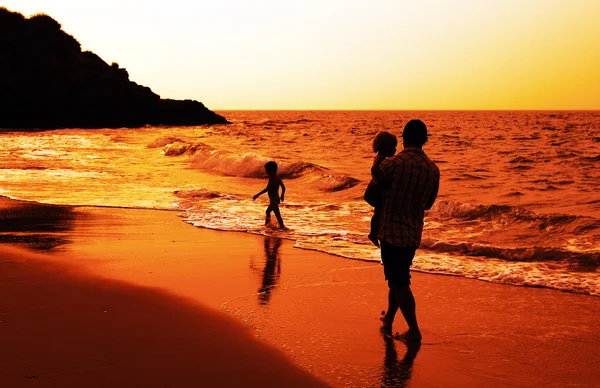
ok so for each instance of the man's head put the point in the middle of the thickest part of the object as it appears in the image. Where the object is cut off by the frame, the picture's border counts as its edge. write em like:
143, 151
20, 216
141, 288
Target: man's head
271, 168
414, 134
385, 143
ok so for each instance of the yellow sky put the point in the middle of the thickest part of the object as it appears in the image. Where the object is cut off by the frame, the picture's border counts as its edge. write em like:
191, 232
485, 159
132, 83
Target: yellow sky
347, 54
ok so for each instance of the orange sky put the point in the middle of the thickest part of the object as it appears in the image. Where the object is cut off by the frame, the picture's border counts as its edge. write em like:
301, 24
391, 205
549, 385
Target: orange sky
334, 54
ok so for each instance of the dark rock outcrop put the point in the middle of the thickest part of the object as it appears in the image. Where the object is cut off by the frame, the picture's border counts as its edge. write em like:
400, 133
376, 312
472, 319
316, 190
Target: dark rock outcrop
46, 81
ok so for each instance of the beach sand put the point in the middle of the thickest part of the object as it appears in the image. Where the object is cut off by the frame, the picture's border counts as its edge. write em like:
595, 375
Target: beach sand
101, 297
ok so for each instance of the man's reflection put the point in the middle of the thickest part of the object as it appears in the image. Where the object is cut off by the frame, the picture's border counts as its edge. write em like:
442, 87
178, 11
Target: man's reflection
272, 269
397, 373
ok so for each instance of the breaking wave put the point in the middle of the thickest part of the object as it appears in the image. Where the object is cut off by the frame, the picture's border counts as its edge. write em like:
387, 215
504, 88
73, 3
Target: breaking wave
200, 194
456, 210
250, 165
336, 182
524, 254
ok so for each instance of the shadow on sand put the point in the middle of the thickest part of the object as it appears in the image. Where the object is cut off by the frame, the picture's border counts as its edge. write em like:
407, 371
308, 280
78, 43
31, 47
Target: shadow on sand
34, 225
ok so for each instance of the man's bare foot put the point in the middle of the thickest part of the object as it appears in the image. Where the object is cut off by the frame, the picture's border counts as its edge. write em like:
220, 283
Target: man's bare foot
386, 324
374, 240
409, 336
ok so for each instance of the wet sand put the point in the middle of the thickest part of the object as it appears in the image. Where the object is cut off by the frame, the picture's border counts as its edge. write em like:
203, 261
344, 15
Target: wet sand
127, 297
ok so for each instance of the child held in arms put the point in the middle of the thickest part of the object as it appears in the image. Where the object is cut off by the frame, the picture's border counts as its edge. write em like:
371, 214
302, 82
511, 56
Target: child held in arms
385, 145
273, 191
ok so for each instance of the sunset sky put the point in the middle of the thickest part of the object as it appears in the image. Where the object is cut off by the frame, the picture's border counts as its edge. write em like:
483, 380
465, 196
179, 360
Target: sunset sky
347, 54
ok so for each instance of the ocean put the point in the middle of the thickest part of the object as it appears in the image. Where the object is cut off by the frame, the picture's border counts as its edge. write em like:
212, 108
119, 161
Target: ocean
519, 198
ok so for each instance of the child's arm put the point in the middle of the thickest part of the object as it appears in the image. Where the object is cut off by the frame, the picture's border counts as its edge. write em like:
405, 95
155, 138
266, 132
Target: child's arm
259, 194
282, 189
375, 171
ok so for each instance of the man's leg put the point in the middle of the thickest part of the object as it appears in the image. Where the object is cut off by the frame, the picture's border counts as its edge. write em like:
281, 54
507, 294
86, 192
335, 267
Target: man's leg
387, 257
406, 301
278, 216
396, 265
390, 314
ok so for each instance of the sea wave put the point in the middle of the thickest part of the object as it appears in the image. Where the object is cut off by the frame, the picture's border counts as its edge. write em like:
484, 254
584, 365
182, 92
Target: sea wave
336, 182
269, 122
250, 165
247, 165
466, 211
591, 158
589, 260
201, 193
515, 226
162, 141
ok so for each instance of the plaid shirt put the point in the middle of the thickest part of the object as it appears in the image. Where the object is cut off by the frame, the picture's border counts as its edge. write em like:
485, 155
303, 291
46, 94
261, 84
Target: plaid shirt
411, 182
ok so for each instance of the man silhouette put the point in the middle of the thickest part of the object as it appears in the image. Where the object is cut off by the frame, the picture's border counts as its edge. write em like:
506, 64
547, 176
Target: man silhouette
411, 183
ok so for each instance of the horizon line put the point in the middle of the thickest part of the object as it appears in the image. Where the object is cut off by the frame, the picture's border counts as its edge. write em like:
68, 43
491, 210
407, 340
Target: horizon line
406, 110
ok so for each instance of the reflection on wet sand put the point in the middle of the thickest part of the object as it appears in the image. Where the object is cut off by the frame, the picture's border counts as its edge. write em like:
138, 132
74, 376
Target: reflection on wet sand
397, 373
271, 270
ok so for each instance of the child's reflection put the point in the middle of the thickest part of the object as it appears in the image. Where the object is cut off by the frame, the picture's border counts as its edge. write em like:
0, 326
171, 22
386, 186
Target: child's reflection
272, 269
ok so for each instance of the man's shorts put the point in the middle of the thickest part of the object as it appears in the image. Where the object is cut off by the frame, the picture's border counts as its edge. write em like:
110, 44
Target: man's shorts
396, 264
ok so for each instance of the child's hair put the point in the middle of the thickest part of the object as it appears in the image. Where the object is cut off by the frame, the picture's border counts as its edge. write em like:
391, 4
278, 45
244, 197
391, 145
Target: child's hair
271, 166
384, 140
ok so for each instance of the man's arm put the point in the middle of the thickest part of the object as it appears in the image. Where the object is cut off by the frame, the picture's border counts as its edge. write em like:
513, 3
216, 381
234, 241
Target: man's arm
259, 194
433, 195
282, 189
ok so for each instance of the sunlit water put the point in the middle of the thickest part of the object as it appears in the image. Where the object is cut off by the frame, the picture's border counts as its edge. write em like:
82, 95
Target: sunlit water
518, 200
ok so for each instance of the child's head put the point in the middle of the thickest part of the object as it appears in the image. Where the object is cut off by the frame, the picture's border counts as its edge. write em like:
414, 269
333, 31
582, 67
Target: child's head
271, 168
385, 143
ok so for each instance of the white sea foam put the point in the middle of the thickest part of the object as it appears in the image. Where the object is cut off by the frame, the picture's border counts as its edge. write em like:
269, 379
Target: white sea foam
333, 229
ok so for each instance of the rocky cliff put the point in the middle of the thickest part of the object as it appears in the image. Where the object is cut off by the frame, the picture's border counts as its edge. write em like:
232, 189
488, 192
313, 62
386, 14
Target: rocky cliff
46, 81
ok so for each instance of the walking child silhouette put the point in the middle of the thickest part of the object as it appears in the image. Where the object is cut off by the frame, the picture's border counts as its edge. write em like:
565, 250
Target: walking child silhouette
273, 191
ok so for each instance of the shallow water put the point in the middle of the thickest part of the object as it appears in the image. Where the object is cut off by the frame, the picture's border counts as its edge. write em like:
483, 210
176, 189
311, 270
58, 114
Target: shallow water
518, 199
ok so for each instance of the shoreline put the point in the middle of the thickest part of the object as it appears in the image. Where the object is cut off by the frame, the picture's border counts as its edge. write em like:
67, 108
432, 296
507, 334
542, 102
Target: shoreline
9, 202
318, 310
